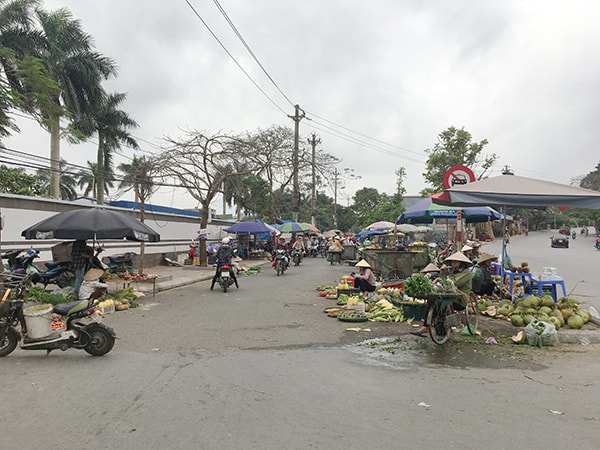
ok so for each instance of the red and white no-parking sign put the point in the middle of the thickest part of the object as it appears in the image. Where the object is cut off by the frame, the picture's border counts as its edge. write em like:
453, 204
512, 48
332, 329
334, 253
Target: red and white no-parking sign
458, 176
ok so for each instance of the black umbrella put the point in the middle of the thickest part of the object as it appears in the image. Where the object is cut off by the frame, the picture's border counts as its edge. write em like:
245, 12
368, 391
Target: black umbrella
91, 223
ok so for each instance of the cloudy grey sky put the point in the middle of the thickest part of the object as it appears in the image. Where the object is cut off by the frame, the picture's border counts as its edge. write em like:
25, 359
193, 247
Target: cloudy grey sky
522, 74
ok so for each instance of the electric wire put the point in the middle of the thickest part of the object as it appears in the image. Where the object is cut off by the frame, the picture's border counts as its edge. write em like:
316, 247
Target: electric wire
243, 41
233, 58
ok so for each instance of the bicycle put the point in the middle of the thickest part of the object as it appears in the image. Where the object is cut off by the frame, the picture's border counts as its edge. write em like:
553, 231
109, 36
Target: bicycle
443, 314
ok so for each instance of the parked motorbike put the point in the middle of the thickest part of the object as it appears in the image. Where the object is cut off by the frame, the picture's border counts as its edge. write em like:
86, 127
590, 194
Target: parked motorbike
89, 334
225, 279
21, 262
445, 250
296, 256
280, 261
119, 263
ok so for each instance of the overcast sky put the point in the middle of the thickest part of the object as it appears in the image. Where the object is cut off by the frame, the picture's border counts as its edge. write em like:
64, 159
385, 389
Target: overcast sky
522, 74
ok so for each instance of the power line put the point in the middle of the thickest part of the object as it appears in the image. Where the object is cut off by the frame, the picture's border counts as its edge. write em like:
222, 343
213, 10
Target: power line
240, 37
233, 58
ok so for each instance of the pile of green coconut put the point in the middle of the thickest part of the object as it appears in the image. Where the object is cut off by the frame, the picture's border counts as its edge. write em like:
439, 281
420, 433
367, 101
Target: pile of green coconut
566, 312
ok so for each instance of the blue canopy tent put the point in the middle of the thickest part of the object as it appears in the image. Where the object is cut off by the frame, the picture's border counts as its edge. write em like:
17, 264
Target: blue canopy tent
425, 211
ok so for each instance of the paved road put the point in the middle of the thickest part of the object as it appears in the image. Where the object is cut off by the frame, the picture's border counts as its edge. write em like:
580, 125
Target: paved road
263, 368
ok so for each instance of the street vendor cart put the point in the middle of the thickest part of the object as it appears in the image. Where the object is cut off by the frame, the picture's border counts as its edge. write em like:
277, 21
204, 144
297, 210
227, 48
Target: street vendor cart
396, 264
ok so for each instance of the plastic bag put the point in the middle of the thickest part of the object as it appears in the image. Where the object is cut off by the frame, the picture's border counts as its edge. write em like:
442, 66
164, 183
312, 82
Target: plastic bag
541, 334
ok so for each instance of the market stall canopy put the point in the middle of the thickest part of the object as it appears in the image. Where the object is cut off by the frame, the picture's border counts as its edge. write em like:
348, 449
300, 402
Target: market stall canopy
425, 211
91, 223
521, 192
254, 227
370, 233
381, 225
311, 228
407, 228
293, 227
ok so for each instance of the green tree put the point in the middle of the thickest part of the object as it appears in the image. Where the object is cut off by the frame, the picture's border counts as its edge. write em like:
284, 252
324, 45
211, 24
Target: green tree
592, 180
111, 124
139, 175
68, 57
200, 163
454, 148
87, 179
18, 182
24, 82
365, 201
68, 181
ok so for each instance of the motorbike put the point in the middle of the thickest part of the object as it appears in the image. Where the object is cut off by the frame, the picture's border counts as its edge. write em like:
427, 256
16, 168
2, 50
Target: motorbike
597, 244
445, 251
119, 263
84, 328
573, 235
313, 251
323, 249
20, 262
280, 261
225, 279
296, 256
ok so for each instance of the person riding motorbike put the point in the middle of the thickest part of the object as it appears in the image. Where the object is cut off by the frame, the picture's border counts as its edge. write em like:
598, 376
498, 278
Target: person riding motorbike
224, 256
282, 245
299, 245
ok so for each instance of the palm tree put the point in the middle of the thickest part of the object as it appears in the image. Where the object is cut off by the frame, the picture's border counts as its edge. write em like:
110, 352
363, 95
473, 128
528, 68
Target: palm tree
138, 175
68, 181
87, 179
111, 125
68, 56
24, 84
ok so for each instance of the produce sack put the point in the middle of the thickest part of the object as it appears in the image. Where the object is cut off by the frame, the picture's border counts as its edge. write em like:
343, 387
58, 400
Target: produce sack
541, 334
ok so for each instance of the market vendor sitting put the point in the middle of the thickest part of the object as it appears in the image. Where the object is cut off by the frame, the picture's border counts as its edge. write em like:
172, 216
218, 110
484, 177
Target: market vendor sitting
365, 278
456, 268
431, 271
467, 250
483, 283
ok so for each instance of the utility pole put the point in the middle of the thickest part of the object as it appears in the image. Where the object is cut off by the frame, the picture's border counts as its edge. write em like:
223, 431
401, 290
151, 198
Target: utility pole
335, 180
297, 117
313, 142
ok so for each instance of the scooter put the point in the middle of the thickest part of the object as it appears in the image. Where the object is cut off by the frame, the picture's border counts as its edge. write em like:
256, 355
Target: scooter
573, 235
296, 256
280, 261
21, 262
89, 334
119, 263
225, 279
597, 244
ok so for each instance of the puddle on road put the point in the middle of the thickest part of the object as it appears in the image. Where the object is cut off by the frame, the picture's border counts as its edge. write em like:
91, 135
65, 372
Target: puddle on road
407, 354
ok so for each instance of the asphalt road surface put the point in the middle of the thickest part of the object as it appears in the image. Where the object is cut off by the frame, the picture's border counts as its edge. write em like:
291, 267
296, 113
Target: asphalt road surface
263, 368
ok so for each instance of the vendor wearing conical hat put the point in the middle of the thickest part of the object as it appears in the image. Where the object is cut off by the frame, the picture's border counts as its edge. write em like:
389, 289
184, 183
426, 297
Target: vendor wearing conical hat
483, 283
460, 273
431, 271
365, 278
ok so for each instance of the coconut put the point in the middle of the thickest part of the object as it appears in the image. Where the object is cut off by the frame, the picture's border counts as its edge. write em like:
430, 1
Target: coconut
524, 264
545, 310
503, 311
505, 303
566, 313
516, 320
547, 300
585, 315
527, 318
555, 321
575, 321
519, 338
